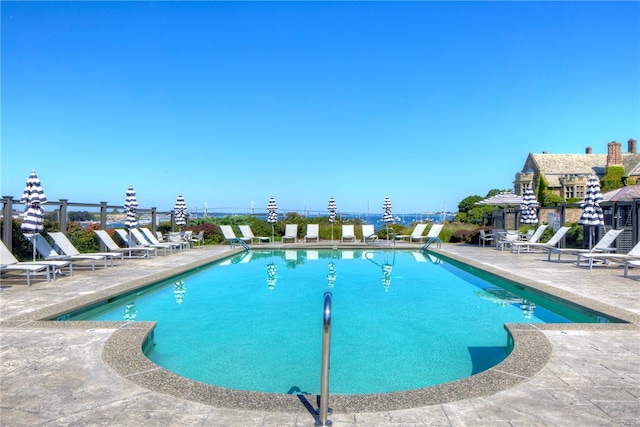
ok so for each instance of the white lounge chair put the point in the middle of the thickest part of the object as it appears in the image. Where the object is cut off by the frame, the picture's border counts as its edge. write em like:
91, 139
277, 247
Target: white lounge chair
290, 233
348, 233
171, 243
140, 240
67, 247
416, 234
368, 233
553, 241
230, 236
603, 245
47, 252
630, 263
313, 233
112, 246
534, 238
247, 233
433, 235
56, 264
9, 264
590, 257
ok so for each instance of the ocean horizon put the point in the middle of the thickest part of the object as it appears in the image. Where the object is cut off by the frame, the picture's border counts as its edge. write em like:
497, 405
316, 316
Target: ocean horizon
375, 219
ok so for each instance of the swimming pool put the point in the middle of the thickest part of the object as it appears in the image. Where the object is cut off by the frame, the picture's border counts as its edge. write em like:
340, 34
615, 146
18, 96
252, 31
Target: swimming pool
402, 320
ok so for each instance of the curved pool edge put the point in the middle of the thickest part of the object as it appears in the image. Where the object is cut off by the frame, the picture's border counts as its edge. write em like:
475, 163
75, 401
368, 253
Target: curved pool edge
531, 352
123, 353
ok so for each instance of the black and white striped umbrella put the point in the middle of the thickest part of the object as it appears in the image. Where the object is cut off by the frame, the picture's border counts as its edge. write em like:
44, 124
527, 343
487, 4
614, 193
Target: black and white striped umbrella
591, 210
272, 211
272, 216
529, 207
592, 215
34, 197
180, 210
332, 208
131, 205
387, 216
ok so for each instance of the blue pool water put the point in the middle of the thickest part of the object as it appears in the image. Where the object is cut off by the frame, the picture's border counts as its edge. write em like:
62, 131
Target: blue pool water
401, 320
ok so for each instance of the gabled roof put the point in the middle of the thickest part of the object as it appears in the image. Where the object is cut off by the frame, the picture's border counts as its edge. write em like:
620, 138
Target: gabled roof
624, 194
631, 163
554, 166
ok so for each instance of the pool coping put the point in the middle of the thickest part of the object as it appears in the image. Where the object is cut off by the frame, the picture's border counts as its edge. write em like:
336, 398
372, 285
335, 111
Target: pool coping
122, 352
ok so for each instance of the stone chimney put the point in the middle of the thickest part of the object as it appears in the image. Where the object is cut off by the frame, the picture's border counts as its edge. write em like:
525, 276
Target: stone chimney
632, 146
587, 150
614, 154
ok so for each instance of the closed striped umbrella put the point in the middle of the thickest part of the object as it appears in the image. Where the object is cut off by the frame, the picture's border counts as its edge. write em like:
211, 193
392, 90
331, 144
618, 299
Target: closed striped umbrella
131, 205
592, 215
332, 208
180, 210
34, 197
529, 207
272, 215
387, 216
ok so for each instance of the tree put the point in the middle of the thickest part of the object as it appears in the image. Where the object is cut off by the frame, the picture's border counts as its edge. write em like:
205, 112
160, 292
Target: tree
468, 203
613, 178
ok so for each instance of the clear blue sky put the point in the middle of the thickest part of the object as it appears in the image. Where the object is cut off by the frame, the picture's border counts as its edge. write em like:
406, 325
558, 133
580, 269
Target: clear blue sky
234, 102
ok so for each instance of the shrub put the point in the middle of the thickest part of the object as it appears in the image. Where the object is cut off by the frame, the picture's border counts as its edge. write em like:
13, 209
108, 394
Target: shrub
84, 240
212, 234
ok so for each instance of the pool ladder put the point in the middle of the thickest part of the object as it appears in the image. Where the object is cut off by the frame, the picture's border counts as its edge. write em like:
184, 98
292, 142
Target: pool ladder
242, 243
324, 409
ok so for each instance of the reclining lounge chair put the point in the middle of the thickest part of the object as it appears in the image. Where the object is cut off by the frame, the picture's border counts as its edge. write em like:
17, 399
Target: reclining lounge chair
67, 247
590, 257
110, 244
247, 234
313, 233
368, 233
535, 238
290, 233
432, 235
9, 264
416, 234
348, 233
47, 252
603, 245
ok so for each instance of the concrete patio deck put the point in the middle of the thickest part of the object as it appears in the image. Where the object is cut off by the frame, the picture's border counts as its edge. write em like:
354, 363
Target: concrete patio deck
54, 373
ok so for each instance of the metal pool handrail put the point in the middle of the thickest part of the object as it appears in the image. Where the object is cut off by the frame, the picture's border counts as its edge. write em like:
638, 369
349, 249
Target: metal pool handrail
324, 374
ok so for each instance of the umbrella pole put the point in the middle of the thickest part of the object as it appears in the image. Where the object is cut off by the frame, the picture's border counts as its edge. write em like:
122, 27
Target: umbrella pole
33, 244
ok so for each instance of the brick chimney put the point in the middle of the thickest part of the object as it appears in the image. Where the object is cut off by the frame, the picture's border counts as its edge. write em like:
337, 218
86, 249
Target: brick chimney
632, 146
587, 150
614, 154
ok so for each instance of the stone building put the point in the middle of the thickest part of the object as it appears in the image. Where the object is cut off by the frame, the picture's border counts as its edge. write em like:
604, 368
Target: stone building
567, 174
